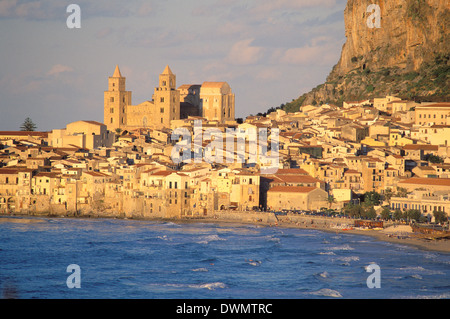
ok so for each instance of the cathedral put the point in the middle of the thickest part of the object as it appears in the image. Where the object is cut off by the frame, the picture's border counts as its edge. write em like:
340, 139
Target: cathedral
213, 101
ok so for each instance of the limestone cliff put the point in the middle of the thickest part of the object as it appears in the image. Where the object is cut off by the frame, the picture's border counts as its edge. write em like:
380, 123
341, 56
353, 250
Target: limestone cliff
407, 56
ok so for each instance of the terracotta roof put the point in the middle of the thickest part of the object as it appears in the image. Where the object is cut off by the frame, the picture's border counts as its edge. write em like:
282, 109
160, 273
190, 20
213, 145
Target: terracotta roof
427, 181
291, 189
289, 171
434, 105
297, 179
24, 133
421, 147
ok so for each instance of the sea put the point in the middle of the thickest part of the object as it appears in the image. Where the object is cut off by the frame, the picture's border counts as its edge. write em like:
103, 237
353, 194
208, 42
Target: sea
65, 258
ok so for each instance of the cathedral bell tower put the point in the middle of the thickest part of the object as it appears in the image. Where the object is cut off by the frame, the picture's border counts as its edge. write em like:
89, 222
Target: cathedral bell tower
166, 99
116, 100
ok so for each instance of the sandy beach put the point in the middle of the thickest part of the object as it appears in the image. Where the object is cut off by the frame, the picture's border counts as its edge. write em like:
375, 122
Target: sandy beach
398, 234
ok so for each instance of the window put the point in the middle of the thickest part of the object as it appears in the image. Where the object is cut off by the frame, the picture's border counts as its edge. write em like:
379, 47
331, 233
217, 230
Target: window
170, 184
161, 110
162, 120
111, 99
176, 185
111, 120
111, 110
162, 99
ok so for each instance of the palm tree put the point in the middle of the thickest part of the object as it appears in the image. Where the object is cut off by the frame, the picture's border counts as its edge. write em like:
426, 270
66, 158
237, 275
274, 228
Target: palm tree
330, 201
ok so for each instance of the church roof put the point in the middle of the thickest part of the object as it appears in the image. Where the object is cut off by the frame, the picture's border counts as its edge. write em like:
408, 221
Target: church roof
167, 70
213, 84
117, 73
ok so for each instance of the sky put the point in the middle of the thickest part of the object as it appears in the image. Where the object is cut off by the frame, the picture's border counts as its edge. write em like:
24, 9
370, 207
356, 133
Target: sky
268, 51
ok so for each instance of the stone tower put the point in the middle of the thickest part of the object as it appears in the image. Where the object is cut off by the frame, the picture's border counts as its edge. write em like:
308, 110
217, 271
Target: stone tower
116, 100
166, 99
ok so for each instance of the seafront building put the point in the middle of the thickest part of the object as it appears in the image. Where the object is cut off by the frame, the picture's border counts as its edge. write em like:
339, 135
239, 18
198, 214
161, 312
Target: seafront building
327, 156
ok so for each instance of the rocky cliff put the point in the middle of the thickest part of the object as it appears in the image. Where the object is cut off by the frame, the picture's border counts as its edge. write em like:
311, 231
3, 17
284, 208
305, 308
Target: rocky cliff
408, 55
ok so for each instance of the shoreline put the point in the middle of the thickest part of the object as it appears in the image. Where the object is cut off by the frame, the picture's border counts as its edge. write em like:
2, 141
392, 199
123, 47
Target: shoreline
314, 223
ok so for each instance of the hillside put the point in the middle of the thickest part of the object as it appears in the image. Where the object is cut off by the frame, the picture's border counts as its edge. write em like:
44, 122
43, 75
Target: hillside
408, 56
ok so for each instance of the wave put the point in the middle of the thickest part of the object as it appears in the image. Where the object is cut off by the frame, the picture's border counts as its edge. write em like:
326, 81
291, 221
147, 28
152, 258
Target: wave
327, 253
164, 237
325, 292
343, 247
421, 270
202, 269
273, 239
445, 295
209, 238
347, 259
324, 274
209, 286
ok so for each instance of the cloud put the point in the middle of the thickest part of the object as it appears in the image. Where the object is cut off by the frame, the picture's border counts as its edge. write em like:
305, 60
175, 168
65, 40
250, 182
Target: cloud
37, 10
58, 69
243, 53
269, 6
56, 9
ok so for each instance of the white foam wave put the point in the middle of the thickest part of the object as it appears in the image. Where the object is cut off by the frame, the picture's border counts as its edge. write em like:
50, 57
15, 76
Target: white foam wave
209, 286
343, 247
327, 293
420, 269
200, 269
209, 238
347, 259
327, 253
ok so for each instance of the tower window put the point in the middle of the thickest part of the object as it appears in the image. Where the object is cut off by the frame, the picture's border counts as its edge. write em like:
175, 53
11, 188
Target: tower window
164, 83
112, 99
111, 110
162, 110
111, 120
162, 100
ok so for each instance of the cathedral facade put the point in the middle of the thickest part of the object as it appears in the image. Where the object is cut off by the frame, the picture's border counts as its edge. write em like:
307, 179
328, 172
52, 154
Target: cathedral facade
213, 101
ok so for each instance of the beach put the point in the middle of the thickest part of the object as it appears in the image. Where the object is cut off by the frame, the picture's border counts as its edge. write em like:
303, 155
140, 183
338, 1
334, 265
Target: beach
393, 233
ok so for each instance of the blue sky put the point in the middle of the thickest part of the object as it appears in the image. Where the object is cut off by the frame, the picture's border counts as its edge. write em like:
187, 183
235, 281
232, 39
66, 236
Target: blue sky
269, 51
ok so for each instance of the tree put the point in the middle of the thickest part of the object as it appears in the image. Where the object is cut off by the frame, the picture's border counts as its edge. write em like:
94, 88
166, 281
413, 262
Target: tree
402, 192
440, 216
353, 210
330, 201
397, 214
388, 194
371, 199
28, 125
436, 159
385, 213
413, 214
370, 213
